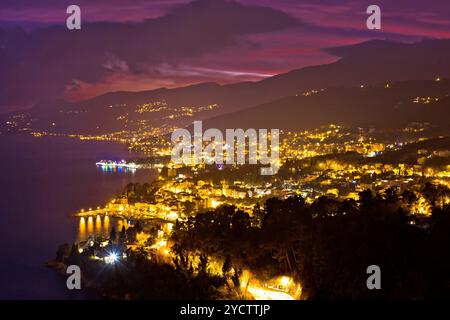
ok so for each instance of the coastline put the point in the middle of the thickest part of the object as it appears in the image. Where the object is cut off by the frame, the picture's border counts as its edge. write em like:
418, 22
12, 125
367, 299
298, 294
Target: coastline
45, 181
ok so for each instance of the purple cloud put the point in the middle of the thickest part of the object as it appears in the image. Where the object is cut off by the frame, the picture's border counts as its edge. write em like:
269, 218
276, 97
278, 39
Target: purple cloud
142, 44
42, 62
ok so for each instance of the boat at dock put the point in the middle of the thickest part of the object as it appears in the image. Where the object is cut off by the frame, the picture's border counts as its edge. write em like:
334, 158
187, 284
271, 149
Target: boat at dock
117, 164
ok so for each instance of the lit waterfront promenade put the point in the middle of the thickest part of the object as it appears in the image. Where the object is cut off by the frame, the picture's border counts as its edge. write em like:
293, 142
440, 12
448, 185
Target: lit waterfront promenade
138, 211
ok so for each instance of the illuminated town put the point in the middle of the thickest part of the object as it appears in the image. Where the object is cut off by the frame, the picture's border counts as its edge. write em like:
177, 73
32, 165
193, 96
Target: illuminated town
333, 165
225, 150
331, 161
334, 162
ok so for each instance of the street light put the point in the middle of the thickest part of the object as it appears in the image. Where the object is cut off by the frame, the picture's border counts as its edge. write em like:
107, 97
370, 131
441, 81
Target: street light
112, 258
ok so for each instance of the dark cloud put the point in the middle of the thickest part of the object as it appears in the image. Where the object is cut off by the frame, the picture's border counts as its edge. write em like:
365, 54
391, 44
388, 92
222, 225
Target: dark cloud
42, 62
144, 44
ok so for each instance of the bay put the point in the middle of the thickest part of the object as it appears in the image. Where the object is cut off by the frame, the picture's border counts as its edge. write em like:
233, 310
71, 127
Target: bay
43, 182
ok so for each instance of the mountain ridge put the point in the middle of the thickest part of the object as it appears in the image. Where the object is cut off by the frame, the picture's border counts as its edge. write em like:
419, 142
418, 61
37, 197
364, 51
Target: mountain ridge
369, 63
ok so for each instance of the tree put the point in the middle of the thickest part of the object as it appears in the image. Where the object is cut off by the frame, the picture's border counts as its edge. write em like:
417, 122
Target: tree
123, 235
129, 189
74, 256
240, 222
365, 198
226, 267
430, 193
113, 234
203, 265
409, 198
257, 215
236, 277
390, 194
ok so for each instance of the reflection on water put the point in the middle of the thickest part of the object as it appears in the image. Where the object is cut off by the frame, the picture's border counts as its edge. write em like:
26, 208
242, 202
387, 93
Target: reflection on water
82, 228
90, 226
103, 225
106, 224
98, 225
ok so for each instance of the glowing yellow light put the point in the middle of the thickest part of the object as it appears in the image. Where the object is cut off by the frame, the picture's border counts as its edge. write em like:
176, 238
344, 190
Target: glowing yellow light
215, 203
285, 281
82, 229
172, 216
244, 279
264, 294
142, 238
98, 223
90, 226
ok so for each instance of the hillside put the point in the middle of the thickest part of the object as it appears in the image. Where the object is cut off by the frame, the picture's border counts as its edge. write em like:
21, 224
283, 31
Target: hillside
371, 63
379, 106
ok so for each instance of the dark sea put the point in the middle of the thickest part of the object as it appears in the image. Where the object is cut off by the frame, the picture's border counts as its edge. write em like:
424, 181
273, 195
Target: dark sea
43, 182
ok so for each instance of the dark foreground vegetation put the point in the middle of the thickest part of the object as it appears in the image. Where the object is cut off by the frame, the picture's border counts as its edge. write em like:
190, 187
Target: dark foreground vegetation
326, 246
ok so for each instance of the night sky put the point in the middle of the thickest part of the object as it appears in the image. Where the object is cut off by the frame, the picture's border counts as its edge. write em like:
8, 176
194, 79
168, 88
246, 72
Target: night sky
139, 45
